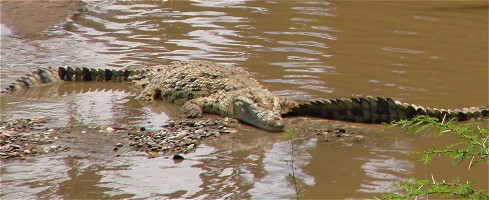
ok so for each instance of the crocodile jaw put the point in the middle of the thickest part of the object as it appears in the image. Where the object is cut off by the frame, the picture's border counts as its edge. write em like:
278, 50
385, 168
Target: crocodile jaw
263, 118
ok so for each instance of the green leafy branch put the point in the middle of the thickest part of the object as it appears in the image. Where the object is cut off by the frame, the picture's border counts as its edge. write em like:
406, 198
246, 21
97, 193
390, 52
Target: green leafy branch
453, 189
474, 146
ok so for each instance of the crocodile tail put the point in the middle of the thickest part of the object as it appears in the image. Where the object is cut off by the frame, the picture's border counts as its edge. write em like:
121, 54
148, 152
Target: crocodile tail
379, 109
50, 75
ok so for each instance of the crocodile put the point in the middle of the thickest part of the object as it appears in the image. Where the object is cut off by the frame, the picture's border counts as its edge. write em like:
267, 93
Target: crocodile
200, 87
204, 87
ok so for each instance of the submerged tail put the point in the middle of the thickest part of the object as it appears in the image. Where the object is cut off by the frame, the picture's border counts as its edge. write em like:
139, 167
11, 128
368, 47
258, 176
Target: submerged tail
50, 75
380, 109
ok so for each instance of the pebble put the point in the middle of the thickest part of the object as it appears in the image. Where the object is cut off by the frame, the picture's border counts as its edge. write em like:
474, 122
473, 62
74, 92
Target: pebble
181, 135
177, 157
25, 137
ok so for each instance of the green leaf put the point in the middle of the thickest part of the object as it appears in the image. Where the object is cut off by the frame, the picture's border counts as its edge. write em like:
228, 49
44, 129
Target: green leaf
423, 127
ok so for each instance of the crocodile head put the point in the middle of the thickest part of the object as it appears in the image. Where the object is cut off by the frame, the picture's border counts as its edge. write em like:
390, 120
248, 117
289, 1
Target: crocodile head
260, 110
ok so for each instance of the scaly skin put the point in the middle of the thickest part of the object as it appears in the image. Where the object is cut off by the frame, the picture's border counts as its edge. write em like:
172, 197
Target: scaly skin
204, 87
379, 109
201, 87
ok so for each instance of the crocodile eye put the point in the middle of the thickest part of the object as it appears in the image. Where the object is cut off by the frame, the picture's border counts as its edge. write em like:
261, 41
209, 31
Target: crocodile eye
238, 103
239, 108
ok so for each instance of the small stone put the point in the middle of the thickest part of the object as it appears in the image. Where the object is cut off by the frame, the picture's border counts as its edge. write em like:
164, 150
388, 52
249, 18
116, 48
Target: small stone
15, 154
340, 130
83, 132
217, 134
177, 157
118, 145
199, 132
358, 138
27, 151
153, 154
191, 146
110, 129
181, 135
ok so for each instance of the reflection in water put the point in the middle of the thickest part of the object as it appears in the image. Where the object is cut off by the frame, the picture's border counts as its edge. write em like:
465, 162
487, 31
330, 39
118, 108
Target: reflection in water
155, 178
25, 179
302, 49
4, 31
88, 103
386, 166
277, 164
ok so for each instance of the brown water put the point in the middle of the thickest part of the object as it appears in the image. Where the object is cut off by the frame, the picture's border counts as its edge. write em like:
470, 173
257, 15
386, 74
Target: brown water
427, 53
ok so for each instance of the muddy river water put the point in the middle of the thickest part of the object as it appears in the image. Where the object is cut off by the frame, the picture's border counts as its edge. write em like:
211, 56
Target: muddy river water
427, 53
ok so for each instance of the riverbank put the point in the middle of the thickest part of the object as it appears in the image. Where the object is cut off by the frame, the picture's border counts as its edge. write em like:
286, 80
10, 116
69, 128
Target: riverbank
22, 138
29, 17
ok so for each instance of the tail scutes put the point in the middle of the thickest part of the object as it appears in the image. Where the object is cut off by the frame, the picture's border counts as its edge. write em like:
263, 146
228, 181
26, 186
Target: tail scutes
50, 75
379, 109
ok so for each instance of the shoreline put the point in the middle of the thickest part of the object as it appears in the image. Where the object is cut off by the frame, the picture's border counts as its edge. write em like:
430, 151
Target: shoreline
30, 17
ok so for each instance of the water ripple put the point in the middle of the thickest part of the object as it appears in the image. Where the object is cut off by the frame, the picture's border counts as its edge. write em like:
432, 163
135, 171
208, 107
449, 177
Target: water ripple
401, 50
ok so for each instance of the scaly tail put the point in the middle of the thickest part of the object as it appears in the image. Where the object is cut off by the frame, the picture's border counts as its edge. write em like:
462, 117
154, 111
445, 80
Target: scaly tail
380, 109
50, 75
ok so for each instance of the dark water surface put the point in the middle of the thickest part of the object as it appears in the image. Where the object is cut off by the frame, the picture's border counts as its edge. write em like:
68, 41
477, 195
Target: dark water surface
428, 53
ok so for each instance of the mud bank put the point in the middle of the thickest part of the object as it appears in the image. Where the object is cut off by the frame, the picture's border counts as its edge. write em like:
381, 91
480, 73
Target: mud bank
22, 138
29, 17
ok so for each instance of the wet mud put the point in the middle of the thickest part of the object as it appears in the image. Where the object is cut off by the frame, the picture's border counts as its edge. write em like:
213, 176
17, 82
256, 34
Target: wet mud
29, 17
